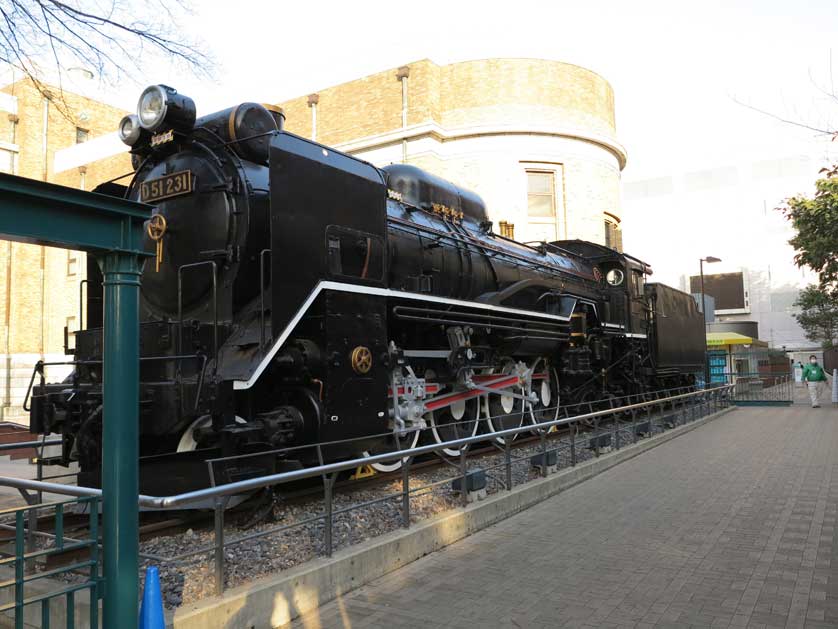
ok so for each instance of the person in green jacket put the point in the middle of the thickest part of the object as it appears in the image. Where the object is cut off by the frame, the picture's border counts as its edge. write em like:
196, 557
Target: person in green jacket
814, 376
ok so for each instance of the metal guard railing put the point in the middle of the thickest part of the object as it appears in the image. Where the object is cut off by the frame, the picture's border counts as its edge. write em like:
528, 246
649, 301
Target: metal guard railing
759, 388
631, 423
24, 550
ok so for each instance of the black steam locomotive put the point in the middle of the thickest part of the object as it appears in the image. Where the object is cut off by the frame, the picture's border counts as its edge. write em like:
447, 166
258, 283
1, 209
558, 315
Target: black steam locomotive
295, 295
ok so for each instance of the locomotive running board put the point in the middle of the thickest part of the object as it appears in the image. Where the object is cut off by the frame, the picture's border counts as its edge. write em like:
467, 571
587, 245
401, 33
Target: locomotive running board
379, 292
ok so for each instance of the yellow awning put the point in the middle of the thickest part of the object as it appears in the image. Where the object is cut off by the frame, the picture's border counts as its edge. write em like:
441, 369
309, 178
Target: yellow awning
732, 338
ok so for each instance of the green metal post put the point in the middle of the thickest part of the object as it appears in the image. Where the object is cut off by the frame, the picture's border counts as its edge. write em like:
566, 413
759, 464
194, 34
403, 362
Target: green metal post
110, 228
120, 451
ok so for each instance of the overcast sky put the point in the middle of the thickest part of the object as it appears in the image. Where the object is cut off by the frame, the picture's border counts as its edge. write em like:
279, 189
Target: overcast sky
675, 66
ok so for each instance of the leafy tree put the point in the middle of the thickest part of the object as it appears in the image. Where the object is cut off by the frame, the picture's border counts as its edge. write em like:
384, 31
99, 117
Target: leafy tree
112, 38
818, 314
816, 222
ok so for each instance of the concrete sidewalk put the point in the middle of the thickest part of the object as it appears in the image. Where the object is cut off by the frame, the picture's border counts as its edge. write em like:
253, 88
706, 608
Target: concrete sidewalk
730, 525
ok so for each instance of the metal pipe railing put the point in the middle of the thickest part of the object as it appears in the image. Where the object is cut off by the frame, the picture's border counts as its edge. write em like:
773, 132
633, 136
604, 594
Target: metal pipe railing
20, 445
251, 484
287, 450
340, 466
664, 401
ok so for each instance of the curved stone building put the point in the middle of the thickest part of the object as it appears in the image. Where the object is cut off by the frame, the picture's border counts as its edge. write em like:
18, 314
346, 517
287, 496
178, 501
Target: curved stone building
535, 138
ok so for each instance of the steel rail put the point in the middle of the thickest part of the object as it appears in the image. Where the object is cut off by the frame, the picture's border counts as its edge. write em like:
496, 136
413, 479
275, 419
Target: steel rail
248, 485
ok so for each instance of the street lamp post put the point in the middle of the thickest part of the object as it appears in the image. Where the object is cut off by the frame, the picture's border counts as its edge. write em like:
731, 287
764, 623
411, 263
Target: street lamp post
708, 260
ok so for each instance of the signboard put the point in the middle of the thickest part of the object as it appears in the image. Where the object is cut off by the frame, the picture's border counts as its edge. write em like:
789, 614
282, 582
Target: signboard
729, 290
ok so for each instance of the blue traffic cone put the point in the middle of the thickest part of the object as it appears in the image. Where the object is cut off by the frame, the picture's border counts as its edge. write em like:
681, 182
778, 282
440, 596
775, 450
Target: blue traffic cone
151, 611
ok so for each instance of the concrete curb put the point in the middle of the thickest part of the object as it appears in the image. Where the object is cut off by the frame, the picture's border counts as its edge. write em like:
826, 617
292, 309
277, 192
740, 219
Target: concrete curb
276, 600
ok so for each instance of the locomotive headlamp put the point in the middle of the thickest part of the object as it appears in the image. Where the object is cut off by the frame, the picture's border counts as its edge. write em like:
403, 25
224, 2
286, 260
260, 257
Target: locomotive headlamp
129, 129
615, 277
161, 104
151, 109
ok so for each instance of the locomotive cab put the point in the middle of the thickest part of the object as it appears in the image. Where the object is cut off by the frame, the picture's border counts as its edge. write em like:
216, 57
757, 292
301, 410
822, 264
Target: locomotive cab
622, 278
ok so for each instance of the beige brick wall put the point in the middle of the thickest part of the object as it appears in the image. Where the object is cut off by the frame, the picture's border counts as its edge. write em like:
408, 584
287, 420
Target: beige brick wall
425, 92
533, 91
298, 116
348, 111
36, 293
488, 91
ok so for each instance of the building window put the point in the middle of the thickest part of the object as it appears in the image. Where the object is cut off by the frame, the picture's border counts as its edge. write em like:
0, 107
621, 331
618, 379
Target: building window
81, 135
613, 233
71, 326
546, 212
541, 194
72, 263
507, 230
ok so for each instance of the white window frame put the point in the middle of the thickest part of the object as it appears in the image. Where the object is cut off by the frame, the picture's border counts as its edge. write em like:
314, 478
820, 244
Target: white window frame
559, 218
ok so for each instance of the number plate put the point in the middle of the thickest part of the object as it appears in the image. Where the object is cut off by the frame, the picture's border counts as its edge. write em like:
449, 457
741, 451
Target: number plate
166, 187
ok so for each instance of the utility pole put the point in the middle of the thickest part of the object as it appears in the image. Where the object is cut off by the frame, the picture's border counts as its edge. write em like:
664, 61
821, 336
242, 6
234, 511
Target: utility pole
709, 260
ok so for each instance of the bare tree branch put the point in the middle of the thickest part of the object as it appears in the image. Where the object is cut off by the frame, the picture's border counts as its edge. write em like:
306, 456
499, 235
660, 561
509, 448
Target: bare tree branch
795, 118
47, 37
782, 119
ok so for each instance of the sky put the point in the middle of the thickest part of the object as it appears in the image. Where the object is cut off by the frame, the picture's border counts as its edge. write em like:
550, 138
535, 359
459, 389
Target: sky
682, 73
677, 67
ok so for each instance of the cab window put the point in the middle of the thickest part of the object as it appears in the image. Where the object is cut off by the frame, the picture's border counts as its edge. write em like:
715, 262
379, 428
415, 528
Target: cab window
637, 284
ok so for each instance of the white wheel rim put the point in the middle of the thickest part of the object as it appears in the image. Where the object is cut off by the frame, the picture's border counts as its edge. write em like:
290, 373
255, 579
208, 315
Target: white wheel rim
552, 374
396, 465
431, 418
508, 404
187, 441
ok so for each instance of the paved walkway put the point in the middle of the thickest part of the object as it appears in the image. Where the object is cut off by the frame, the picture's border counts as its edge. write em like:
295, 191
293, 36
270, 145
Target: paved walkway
730, 525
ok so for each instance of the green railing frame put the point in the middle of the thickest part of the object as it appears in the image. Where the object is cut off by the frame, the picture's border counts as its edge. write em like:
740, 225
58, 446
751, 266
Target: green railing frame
778, 392
23, 521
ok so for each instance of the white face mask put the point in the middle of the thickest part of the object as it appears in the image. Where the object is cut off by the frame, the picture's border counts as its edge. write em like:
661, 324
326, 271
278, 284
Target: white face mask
813, 361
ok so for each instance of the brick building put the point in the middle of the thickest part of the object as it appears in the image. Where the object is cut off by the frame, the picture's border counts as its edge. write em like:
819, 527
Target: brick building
535, 138
39, 286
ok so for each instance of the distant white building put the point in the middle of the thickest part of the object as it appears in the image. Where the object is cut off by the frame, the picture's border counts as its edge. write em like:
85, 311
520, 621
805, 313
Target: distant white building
729, 212
766, 303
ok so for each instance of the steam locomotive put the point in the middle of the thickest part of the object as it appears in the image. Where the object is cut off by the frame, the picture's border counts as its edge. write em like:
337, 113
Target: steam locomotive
295, 295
